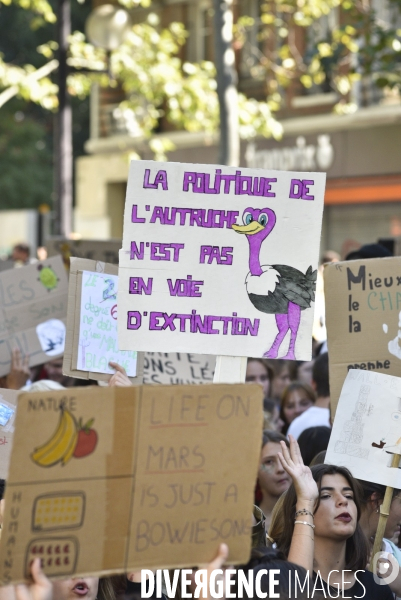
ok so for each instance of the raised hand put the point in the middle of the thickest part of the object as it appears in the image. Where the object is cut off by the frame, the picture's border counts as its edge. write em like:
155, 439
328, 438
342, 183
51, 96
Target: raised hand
301, 475
120, 377
19, 373
40, 589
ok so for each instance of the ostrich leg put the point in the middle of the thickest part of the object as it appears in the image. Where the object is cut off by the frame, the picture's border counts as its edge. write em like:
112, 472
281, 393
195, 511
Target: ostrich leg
283, 326
294, 318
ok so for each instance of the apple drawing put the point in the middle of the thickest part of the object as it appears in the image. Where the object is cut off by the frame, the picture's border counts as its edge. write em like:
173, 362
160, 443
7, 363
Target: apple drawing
87, 439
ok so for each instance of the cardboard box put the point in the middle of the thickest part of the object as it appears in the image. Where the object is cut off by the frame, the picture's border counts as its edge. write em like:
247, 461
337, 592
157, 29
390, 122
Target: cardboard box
160, 476
363, 304
33, 311
98, 250
91, 341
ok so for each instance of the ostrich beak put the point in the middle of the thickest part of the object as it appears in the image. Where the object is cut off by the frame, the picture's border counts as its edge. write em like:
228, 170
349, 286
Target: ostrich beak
251, 229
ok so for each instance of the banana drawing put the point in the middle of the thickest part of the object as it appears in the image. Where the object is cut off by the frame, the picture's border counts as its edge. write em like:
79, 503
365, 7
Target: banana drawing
61, 445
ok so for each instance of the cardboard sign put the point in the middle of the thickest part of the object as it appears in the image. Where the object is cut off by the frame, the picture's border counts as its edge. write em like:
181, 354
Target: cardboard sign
99, 250
92, 324
8, 408
148, 484
367, 427
190, 283
175, 368
33, 311
363, 318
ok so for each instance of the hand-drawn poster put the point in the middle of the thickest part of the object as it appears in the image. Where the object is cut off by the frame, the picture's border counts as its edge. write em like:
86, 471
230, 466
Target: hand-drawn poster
8, 408
174, 368
100, 250
367, 427
218, 260
110, 480
98, 326
363, 318
33, 311
91, 341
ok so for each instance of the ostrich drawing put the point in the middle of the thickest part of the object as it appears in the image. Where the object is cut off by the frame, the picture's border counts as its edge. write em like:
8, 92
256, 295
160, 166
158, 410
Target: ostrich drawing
277, 289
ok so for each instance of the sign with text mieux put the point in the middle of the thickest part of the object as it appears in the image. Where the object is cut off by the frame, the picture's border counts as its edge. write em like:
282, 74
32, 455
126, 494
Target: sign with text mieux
219, 261
33, 312
363, 318
112, 480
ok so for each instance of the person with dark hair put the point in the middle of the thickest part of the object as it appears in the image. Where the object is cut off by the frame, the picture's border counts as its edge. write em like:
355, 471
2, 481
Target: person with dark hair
272, 478
320, 375
301, 370
259, 371
319, 529
21, 254
296, 399
312, 441
282, 376
41, 588
372, 499
318, 459
369, 251
271, 412
319, 413
291, 580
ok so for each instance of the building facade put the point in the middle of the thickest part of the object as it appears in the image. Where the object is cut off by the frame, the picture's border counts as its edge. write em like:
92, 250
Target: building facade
359, 151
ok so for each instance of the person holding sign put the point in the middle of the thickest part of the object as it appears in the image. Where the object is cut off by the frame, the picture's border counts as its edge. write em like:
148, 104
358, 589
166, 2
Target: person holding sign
272, 478
319, 528
372, 499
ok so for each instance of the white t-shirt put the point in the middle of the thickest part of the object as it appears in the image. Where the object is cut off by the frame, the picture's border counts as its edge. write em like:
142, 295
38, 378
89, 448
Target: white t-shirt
315, 416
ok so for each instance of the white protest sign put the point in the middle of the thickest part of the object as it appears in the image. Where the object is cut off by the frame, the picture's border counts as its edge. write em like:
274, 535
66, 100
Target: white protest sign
190, 283
367, 427
175, 368
98, 326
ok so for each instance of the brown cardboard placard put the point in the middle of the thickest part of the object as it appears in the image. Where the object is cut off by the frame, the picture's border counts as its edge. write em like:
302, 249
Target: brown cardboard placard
98, 250
154, 487
174, 368
70, 362
363, 304
33, 311
8, 407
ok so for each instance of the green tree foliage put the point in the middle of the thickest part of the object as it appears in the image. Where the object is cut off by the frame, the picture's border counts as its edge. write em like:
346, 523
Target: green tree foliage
156, 81
361, 43
159, 84
23, 122
25, 159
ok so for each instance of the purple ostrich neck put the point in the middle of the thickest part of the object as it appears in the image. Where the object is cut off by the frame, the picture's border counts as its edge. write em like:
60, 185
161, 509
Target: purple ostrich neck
255, 243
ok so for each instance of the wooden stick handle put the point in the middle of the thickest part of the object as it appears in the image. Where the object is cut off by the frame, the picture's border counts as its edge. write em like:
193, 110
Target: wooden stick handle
230, 369
384, 512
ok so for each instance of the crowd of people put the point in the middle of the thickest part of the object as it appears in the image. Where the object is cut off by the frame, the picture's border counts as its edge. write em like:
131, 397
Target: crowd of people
308, 516
313, 523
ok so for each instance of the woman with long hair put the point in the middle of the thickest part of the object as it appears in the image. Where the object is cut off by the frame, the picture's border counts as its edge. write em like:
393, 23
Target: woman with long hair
319, 528
272, 478
296, 399
259, 371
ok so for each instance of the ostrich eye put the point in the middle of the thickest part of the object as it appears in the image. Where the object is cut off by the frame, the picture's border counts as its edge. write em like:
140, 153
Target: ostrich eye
247, 218
263, 219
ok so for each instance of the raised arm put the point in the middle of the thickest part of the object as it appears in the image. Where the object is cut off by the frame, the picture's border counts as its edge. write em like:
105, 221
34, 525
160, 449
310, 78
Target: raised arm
120, 377
302, 544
